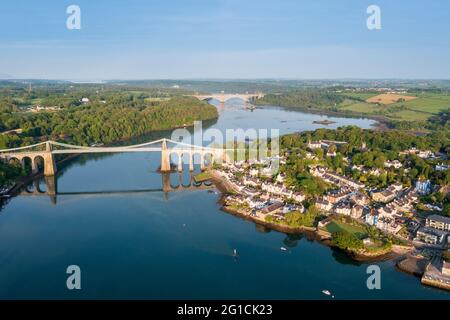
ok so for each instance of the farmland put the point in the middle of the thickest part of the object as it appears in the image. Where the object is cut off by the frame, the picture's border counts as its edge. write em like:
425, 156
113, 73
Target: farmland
415, 106
388, 98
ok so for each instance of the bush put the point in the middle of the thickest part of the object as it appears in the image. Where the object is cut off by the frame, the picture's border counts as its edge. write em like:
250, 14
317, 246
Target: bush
346, 240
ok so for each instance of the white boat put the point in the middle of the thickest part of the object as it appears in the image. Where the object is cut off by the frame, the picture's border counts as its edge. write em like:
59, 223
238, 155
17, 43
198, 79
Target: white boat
328, 293
283, 249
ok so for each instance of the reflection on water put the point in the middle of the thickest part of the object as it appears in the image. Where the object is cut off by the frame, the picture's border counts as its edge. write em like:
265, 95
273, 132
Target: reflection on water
135, 234
170, 182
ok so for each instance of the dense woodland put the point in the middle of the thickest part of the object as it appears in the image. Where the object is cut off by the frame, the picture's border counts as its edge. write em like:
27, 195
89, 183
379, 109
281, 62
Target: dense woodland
109, 116
97, 122
303, 99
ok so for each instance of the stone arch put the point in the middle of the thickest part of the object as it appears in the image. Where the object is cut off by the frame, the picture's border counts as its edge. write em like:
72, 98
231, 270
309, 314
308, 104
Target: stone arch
27, 164
175, 182
39, 163
30, 188
40, 187
236, 97
14, 161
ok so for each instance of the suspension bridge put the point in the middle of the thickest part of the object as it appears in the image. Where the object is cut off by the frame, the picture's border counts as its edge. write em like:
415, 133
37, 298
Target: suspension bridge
46, 151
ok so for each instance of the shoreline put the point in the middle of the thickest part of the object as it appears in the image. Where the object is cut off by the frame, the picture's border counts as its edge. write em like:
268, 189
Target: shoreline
20, 182
323, 237
382, 122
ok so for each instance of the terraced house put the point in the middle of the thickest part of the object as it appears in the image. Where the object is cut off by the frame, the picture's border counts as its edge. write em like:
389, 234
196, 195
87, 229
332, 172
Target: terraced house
438, 222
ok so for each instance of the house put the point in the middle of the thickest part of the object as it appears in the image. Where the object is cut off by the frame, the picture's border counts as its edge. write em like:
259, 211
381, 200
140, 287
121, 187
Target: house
360, 199
423, 186
250, 191
331, 153
438, 222
387, 194
425, 154
357, 211
323, 204
85, 100
393, 164
273, 207
390, 225
430, 236
442, 167
335, 178
383, 196
372, 218
314, 145
337, 196
343, 208
289, 208
298, 197
255, 203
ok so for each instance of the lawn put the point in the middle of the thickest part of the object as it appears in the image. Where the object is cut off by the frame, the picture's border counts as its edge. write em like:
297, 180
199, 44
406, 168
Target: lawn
338, 226
362, 107
203, 176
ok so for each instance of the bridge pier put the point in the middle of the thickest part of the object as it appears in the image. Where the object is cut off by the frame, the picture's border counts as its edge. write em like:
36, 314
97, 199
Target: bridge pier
165, 157
202, 162
180, 162
191, 162
49, 164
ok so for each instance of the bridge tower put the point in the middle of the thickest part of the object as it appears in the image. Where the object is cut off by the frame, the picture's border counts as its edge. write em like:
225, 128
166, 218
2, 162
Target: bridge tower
49, 161
165, 157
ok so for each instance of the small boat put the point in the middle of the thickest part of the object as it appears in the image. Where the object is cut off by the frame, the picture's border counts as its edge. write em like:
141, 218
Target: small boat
283, 249
327, 292
235, 254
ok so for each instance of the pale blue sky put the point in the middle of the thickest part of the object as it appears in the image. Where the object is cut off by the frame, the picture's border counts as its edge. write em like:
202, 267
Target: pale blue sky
148, 39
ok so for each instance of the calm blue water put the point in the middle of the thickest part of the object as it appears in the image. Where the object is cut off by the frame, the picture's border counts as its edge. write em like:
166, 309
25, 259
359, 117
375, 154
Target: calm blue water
170, 246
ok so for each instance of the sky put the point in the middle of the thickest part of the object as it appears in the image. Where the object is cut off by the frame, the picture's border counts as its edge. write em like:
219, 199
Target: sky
204, 39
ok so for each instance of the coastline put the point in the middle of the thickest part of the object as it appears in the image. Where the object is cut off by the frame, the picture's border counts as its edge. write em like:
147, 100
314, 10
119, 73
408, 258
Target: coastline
382, 122
323, 237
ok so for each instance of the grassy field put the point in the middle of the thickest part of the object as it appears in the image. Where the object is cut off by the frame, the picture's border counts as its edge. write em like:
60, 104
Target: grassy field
203, 176
421, 108
411, 115
362, 107
338, 226
429, 104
